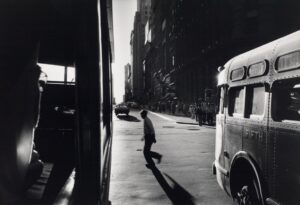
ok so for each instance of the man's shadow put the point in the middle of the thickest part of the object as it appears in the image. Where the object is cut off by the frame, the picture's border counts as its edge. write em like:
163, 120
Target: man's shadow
177, 194
128, 118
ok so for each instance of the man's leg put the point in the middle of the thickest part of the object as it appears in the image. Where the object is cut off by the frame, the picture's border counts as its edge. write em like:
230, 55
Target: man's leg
156, 155
147, 153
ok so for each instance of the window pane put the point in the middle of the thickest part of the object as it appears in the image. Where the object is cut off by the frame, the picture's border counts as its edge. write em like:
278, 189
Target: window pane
286, 101
54, 72
288, 61
257, 69
221, 100
237, 101
71, 74
237, 74
258, 101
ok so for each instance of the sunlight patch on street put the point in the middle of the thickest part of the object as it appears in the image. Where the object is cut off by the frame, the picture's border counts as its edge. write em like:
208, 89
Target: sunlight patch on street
161, 116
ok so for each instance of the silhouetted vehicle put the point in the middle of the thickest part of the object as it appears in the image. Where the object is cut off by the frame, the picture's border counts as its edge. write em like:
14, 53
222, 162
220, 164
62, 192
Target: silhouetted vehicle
75, 128
122, 109
134, 105
258, 124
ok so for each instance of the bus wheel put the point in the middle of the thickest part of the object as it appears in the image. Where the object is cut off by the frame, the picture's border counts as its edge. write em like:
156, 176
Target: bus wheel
249, 194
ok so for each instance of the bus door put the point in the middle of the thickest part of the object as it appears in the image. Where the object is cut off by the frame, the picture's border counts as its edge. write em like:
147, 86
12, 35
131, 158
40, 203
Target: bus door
219, 146
255, 124
285, 141
234, 125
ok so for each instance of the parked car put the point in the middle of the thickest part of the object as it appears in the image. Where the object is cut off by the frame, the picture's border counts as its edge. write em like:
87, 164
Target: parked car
122, 109
134, 105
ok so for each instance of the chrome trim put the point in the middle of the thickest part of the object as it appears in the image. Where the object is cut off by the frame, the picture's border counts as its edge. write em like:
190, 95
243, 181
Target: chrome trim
221, 169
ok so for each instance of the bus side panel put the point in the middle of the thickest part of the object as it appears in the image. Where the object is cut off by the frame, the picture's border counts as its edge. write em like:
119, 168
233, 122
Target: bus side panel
255, 141
286, 169
232, 142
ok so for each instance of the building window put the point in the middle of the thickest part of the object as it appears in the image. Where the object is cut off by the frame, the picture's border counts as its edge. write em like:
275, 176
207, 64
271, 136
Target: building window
286, 101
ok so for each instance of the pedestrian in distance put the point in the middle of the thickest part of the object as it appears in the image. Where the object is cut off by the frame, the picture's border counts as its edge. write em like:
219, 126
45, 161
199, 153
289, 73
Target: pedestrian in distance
149, 138
199, 111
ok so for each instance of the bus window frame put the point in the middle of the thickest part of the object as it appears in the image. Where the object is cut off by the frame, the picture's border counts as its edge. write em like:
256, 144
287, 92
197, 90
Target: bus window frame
233, 114
265, 71
247, 108
274, 111
222, 98
277, 70
65, 75
239, 77
246, 96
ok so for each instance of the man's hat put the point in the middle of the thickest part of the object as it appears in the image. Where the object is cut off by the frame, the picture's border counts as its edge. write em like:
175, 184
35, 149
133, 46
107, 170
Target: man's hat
144, 112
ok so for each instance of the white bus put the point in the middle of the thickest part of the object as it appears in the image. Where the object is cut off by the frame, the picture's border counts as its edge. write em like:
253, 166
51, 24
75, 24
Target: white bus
258, 124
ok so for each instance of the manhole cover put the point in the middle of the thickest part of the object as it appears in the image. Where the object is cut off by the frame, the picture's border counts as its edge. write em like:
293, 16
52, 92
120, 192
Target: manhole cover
139, 150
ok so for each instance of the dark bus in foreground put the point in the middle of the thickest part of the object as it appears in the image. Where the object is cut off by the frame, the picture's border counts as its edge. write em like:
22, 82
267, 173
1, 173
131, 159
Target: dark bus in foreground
258, 124
56, 132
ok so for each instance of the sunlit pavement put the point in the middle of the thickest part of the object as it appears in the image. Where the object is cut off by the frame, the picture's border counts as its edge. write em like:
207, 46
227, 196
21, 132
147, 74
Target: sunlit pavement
184, 176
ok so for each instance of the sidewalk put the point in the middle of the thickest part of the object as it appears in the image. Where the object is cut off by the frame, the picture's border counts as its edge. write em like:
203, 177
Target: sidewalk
182, 119
184, 176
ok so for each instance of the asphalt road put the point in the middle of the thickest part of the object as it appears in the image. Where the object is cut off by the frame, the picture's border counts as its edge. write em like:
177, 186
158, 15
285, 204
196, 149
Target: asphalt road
184, 176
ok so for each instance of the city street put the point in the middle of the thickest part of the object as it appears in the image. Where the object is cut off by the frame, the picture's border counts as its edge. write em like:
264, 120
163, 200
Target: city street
184, 176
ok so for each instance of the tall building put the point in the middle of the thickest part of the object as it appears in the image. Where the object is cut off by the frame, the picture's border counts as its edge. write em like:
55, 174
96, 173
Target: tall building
137, 45
190, 39
128, 82
144, 7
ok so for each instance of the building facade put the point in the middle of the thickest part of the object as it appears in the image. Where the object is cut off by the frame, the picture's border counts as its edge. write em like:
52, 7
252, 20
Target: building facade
137, 45
128, 83
189, 40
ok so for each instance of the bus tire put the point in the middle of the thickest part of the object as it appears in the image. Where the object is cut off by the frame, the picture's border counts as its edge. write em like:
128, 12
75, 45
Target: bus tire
249, 193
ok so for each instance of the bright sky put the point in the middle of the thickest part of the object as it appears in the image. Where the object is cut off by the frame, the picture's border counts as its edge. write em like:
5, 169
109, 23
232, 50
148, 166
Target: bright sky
123, 17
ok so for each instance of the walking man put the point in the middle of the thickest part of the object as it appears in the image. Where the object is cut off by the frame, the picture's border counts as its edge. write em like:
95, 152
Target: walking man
149, 137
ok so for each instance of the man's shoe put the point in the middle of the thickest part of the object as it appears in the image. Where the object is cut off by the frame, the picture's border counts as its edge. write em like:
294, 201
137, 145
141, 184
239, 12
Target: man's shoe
150, 166
159, 159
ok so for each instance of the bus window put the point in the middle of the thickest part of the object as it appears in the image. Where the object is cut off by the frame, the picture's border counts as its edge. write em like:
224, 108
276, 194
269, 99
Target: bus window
53, 72
236, 102
255, 101
222, 100
71, 74
57, 74
286, 101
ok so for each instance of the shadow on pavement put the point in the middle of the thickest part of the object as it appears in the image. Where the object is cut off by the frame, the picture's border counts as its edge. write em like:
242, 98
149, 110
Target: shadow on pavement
128, 118
177, 194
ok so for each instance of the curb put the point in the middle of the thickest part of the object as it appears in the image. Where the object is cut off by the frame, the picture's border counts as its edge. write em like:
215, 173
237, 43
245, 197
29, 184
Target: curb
189, 123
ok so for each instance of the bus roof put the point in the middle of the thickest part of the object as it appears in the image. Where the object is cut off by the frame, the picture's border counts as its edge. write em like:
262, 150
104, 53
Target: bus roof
269, 51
